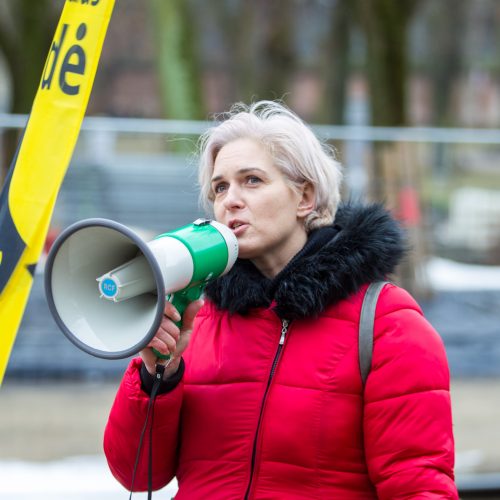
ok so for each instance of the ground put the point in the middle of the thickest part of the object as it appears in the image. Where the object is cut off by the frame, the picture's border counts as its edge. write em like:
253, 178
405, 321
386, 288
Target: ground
44, 422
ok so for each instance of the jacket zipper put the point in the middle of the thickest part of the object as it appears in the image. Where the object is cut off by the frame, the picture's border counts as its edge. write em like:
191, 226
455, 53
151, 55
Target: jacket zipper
284, 329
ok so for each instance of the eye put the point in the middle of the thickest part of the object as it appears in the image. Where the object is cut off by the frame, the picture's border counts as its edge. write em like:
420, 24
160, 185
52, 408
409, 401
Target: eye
220, 187
253, 179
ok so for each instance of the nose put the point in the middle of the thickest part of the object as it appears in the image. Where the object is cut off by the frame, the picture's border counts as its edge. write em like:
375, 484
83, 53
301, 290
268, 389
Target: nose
233, 199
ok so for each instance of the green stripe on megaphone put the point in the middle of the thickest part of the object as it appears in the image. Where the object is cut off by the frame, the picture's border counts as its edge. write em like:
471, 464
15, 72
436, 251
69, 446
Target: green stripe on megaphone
207, 247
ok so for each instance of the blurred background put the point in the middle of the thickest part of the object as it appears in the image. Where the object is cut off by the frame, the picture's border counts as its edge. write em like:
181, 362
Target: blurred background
407, 91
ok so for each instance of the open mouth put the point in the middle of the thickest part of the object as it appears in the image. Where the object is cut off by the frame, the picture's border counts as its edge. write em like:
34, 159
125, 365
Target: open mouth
237, 227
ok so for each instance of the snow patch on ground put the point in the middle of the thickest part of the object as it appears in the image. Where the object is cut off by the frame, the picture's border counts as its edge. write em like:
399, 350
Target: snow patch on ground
74, 478
455, 276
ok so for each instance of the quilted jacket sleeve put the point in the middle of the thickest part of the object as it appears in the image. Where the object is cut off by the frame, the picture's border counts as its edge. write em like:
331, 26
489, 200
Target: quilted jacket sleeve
407, 416
124, 427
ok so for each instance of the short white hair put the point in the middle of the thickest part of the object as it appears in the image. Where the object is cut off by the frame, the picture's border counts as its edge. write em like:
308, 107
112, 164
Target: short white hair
295, 149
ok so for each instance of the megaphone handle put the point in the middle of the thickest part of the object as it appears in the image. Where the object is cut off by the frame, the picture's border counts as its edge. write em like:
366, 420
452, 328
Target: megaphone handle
181, 300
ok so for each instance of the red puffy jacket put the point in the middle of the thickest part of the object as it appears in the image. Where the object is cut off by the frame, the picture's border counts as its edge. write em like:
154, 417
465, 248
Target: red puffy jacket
270, 410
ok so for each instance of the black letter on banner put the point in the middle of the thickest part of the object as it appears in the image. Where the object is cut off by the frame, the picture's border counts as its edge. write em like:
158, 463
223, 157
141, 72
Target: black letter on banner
55, 49
77, 68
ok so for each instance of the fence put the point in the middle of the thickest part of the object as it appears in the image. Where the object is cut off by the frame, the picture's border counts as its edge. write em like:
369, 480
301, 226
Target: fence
142, 172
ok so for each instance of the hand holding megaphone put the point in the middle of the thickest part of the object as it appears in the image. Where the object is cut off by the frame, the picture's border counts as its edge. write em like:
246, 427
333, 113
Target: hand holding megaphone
107, 288
171, 339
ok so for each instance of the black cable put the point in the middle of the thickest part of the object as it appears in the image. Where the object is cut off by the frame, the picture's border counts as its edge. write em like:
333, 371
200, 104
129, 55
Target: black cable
154, 391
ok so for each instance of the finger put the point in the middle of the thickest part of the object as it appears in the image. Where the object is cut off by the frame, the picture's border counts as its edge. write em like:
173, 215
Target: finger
168, 327
189, 315
159, 345
163, 343
187, 327
171, 312
182, 344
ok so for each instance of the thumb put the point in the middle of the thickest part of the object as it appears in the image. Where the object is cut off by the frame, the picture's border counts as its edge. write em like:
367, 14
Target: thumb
187, 326
189, 314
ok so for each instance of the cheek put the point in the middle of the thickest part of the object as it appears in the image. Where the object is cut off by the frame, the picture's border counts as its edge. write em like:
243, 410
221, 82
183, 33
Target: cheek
276, 218
281, 208
217, 210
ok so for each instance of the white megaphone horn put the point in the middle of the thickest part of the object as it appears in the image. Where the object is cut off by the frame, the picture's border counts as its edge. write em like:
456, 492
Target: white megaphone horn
106, 287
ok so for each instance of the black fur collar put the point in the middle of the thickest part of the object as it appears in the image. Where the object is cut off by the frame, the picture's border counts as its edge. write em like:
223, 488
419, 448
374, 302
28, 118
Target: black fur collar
365, 244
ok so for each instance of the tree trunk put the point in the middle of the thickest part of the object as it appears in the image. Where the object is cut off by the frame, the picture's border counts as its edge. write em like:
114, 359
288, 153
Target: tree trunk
385, 24
258, 36
394, 178
448, 26
177, 64
277, 61
337, 65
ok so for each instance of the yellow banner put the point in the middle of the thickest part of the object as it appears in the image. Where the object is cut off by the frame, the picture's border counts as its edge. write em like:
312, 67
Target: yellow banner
30, 191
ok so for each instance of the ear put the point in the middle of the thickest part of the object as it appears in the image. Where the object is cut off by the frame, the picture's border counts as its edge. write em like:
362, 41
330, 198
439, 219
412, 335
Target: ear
307, 201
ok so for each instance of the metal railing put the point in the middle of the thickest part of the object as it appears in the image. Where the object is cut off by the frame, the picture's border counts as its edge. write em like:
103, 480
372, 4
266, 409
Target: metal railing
333, 132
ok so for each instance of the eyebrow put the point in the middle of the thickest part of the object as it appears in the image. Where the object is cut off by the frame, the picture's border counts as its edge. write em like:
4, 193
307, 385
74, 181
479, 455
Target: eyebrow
240, 171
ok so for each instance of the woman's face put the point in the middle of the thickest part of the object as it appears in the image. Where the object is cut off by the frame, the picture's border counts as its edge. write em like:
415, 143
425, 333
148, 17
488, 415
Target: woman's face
252, 197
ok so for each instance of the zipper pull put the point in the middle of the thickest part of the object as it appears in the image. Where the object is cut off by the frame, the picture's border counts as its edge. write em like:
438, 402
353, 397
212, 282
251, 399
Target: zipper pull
284, 329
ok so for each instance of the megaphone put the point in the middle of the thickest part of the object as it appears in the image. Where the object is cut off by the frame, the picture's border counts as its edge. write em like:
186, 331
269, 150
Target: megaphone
106, 287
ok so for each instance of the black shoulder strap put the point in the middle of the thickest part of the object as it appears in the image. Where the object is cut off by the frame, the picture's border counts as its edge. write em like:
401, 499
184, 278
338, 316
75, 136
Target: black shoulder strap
366, 324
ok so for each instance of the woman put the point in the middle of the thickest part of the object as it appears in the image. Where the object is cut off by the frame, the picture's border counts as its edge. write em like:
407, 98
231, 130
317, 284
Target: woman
264, 398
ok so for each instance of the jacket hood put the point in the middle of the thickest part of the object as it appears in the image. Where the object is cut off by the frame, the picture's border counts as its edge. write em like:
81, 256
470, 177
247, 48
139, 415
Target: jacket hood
364, 244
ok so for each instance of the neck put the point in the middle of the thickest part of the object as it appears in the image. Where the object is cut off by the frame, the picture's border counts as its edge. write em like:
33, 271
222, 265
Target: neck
272, 263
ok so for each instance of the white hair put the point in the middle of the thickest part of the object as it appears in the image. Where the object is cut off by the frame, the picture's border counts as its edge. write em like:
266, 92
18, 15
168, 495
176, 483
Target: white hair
295, 149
